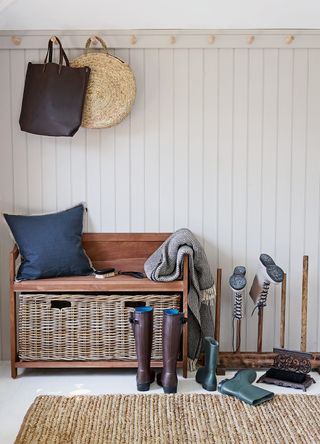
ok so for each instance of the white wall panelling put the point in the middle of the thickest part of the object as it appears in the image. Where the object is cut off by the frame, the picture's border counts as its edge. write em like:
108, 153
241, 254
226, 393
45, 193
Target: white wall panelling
223, 138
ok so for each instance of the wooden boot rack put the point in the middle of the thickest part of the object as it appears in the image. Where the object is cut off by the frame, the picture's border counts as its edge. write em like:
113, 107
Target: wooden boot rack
260, 359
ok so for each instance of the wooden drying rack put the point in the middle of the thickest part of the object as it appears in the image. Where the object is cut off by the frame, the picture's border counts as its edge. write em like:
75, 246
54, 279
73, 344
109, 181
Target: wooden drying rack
260, 359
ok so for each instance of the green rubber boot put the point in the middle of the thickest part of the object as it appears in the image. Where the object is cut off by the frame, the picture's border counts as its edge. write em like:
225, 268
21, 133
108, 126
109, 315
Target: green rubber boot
241, 387
206, 376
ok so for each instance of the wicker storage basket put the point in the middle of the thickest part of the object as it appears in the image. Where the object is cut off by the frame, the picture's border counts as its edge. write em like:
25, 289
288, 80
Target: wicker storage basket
85, 327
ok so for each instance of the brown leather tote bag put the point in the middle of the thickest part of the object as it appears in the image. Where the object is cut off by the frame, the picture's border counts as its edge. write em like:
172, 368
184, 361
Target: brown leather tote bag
53, 96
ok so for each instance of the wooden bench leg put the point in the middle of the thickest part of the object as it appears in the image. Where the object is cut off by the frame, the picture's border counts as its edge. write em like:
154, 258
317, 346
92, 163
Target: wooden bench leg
14, 370
13, 333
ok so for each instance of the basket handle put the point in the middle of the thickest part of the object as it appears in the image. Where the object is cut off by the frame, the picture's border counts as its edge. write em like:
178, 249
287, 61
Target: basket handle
134, 304
103, 43
60, 304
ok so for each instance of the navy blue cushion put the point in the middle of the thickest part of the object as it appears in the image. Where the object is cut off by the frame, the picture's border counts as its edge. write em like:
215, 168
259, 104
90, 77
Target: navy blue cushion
50, 245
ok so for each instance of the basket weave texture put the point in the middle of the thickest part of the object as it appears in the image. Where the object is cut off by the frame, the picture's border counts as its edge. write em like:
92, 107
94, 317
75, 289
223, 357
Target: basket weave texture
111, 89
94, 327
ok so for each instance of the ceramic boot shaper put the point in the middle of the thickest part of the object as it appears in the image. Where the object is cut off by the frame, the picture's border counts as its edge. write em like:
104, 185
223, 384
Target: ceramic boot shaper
237, 284
268, 273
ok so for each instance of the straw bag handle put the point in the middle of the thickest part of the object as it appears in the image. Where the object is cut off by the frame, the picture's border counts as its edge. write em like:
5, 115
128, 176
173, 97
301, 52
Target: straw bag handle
104, 48
103, 43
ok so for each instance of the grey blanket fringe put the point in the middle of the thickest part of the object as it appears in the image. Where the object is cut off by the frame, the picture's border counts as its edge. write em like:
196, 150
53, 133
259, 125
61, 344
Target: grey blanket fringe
166, 264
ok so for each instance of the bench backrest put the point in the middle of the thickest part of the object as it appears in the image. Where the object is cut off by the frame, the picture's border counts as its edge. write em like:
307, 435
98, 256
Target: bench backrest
122, 251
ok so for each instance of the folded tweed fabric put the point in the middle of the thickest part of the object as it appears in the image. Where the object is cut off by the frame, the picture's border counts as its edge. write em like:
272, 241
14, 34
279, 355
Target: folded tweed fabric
166, 264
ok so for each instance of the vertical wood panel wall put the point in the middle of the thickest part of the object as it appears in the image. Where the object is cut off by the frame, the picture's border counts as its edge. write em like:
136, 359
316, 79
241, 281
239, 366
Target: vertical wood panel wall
225, 141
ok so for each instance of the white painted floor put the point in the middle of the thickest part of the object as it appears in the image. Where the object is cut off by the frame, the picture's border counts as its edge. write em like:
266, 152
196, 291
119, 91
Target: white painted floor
17, 395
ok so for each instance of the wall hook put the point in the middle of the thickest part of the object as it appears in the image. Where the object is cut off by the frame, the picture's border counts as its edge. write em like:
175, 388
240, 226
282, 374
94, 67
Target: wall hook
289, 39
93, 39
211, 39
54, 40
133, 40
16, 40
250, 39
173, 39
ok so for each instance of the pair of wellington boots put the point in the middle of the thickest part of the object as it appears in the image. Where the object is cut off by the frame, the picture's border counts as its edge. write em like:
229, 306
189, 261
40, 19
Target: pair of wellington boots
206, 376
142, 324
240, 386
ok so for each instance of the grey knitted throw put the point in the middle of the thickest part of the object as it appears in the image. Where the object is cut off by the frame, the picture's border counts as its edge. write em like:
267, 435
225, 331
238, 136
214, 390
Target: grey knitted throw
166, 264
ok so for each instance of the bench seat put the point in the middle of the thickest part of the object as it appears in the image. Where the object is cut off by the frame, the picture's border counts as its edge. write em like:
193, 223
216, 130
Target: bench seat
91, 284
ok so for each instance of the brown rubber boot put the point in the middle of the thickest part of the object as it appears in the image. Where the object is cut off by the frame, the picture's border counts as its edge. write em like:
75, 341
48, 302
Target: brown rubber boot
171, 333
142, 325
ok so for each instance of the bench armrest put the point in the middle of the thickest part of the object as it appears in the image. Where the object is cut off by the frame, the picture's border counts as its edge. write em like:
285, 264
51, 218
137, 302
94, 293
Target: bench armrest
12, 263
186, 268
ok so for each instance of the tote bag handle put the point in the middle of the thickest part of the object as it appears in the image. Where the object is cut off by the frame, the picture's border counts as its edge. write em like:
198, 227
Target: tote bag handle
62, 55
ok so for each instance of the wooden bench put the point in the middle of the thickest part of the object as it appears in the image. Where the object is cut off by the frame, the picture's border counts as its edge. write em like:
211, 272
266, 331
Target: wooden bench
125, 252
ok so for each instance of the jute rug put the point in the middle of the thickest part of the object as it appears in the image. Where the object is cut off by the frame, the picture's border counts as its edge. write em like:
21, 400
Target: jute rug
161, 419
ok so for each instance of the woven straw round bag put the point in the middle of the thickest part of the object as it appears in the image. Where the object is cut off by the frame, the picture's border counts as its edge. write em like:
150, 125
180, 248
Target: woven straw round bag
111, 89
